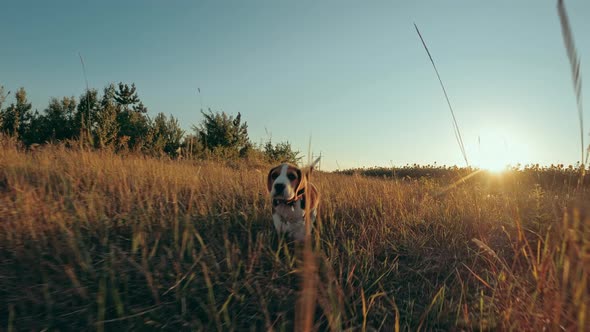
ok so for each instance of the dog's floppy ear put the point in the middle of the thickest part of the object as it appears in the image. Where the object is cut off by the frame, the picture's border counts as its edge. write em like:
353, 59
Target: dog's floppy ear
269, 179
302, 178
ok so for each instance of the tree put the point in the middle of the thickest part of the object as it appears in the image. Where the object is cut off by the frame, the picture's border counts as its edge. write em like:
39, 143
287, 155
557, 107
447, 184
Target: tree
23, 109
2, 96
10, 121
281, 152
165, 135
126, 96
16, 119
107, 127
2, 100
85, 119
131, 116
221, 132
36, 132
191, 147
58, 121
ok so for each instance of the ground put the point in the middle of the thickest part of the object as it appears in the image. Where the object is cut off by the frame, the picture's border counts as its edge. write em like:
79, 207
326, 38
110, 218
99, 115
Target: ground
95, 240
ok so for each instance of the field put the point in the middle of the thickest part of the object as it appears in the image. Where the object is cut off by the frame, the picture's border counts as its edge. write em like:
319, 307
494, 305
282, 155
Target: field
91, 240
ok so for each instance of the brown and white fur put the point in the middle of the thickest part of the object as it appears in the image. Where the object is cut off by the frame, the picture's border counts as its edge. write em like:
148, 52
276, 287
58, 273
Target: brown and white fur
290, 192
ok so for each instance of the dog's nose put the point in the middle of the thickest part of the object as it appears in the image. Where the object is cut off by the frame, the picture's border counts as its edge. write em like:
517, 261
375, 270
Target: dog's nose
279, 187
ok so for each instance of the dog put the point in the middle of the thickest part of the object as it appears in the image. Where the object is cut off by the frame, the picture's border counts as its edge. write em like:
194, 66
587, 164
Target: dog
292, 196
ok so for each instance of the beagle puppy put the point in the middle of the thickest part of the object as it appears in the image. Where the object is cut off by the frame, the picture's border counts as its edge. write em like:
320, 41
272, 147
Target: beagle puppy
291, 193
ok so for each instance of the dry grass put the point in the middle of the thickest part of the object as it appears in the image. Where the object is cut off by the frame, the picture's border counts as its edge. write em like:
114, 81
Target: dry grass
92, 240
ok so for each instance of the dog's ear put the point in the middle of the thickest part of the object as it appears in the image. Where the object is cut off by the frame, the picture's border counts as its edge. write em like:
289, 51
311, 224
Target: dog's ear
269, 179
302, 180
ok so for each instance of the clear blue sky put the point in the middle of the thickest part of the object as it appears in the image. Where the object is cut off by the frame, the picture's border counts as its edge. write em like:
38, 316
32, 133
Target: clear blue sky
352, 75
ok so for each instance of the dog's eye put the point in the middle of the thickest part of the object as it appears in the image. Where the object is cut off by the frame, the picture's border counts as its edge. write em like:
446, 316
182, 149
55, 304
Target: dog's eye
291, 176
274, 176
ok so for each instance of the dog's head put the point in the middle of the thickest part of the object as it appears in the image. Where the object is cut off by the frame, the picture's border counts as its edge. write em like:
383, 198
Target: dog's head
285, 182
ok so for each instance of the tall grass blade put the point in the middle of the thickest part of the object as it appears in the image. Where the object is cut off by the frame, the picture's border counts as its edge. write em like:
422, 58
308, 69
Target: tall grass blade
307, 299
572, 55
86, 134
455, 124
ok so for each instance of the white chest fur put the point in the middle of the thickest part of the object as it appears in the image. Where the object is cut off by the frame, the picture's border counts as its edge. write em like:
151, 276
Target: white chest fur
291, 219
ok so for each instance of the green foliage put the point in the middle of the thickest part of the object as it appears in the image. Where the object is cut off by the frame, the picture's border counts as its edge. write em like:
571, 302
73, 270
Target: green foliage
107, 127
16, 119
2, 100
85, 119
223, 134
191, 147
23, 109
57, 122
281, 152
117, 119
165, 136
133, 123
126, 96
2, 96
10, 121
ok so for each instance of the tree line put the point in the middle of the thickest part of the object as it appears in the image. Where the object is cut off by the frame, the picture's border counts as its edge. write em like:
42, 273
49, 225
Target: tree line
117, 119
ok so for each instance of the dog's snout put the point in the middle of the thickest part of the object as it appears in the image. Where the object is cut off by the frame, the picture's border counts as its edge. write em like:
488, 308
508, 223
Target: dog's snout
279, 187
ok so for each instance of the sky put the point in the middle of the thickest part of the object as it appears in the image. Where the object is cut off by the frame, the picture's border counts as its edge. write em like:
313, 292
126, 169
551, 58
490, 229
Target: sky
351, 79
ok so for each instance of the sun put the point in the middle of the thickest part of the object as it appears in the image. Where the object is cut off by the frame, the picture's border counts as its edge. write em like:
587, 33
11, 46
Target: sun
495, 150
493, 166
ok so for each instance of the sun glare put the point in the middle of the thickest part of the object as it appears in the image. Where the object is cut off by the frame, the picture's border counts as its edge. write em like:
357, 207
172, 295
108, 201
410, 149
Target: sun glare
495, 151
494, 166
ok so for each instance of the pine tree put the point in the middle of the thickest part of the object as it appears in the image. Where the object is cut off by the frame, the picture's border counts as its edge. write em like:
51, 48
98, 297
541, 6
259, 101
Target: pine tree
107, 127
219, 132
2, 97
126, 96
165, 135
131, 116
16, 119
58, 121
86, 116
281, 152
2, 100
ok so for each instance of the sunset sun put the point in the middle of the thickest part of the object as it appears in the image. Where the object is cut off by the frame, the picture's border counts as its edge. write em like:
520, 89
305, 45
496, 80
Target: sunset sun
496, 150
492, 165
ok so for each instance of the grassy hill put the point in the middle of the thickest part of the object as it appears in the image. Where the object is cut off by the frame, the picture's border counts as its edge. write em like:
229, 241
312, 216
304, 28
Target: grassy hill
94, 240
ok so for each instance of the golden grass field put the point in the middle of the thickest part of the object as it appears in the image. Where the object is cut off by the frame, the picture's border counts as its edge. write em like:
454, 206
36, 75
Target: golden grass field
99, 241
